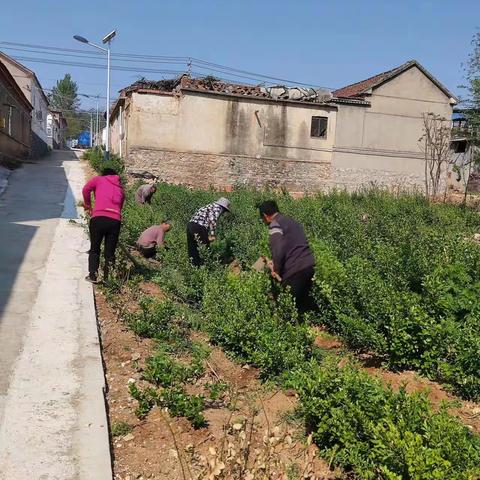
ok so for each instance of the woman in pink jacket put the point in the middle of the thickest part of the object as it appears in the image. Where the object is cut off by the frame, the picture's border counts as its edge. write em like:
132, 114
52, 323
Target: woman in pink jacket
105, 219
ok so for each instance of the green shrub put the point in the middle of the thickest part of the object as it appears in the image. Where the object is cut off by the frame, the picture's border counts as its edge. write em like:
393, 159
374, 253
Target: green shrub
360, 425
120, 429
243, 318
95, 157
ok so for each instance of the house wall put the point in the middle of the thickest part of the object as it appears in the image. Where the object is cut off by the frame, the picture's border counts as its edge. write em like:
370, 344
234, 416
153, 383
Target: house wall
379, 144
203, 139
14, 125
33, 91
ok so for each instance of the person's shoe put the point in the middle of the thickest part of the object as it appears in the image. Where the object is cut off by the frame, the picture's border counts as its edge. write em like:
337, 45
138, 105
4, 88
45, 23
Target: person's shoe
91, 279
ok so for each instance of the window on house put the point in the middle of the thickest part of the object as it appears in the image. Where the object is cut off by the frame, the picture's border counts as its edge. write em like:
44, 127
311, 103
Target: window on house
319, 127
459, 146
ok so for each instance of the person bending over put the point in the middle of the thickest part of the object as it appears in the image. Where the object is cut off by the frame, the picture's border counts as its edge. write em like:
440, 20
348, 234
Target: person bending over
292, 260
105, 221
202, 227
152, 238
145, 193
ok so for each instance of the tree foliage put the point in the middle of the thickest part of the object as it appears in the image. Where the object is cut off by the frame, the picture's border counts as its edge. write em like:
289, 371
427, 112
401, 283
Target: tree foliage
64, 97
472, 101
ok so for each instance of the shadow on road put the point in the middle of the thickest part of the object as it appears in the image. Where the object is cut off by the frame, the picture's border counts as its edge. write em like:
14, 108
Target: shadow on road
29, 211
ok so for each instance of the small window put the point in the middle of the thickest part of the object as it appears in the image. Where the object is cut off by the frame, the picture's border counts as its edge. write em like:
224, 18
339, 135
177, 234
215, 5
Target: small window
319, 127
459, 146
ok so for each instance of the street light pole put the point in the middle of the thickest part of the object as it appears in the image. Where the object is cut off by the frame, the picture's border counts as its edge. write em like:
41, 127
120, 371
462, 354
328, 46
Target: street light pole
106, 40
97, 128
107, 141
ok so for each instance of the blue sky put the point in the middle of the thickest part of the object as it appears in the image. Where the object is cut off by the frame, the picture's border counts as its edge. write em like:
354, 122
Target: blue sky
322, 43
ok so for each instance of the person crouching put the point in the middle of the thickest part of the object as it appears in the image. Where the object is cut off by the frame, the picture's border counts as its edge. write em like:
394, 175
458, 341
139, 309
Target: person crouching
152, 238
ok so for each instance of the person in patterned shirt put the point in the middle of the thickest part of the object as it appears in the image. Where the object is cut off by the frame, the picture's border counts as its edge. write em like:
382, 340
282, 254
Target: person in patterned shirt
202, 226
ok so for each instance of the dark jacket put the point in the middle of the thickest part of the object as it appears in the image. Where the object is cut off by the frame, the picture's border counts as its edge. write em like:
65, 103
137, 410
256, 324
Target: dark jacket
289, 246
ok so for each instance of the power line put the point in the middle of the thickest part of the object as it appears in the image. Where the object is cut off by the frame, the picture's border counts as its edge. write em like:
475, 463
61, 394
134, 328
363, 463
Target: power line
141, 58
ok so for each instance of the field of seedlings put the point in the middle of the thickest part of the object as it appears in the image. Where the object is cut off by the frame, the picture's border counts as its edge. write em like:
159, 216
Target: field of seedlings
397, 278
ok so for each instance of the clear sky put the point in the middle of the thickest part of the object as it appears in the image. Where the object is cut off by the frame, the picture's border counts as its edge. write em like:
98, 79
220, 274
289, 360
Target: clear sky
317, 42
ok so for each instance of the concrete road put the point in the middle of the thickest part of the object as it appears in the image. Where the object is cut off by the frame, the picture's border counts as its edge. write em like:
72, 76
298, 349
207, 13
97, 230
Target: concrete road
52, 414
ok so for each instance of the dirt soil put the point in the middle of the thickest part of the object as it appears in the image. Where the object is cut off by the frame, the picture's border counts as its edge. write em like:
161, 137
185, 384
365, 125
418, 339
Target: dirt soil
247, 429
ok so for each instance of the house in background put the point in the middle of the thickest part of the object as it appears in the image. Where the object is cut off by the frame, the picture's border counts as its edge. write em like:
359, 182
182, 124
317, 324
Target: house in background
378, 141
56, 129
15, 118
204, 132
31, 88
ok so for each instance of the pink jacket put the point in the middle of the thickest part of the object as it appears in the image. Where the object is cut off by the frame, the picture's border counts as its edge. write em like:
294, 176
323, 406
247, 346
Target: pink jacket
109, 196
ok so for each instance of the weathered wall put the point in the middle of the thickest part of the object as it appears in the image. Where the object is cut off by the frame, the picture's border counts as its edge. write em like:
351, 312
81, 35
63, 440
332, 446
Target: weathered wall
379, 144
34, 95
225, 171
204, 139
15, 135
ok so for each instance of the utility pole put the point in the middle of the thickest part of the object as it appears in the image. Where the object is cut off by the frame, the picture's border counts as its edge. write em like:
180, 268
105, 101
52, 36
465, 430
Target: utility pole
91, 129
106, 40
97, 129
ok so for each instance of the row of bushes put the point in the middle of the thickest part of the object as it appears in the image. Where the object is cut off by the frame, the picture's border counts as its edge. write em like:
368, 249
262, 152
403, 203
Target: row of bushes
395, 275
357, 423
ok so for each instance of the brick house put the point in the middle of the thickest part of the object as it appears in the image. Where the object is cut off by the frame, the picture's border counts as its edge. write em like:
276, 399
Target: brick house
15, 118
204, 132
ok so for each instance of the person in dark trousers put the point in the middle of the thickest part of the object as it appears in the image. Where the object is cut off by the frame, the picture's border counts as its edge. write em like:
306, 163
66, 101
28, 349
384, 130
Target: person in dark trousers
152, 238
105, 221
202, 227
145, 193
292, 260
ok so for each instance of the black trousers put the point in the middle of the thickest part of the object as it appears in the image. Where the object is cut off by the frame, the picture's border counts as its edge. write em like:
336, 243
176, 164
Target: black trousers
300, 284
147, 252
196, 234
102, 229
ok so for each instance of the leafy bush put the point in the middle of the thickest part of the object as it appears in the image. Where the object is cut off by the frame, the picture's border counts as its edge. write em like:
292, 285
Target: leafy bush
360, 425
119, 429
95, 157
242, 318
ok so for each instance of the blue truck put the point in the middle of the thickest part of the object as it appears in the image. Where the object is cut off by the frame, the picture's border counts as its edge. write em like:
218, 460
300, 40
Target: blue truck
83, 139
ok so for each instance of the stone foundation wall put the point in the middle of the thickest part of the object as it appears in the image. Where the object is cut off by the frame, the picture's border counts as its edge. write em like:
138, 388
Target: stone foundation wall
352, 179
226, 171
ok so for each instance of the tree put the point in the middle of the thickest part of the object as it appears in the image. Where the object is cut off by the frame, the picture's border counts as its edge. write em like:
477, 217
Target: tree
64, 97
471, 110
435, 145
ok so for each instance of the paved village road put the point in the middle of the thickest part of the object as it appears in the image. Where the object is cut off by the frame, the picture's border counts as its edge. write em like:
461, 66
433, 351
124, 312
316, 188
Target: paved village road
52, 414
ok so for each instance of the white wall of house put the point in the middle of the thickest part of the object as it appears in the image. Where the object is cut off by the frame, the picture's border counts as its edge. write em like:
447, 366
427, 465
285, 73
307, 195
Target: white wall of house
380, 143
215, 124
34, 93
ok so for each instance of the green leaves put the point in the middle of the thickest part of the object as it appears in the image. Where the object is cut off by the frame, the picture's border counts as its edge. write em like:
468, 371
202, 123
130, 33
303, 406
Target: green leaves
379, 433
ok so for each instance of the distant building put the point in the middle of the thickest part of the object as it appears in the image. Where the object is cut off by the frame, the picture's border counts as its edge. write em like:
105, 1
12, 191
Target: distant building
30, 86
464, 174
15, 118
56, 129
204, 132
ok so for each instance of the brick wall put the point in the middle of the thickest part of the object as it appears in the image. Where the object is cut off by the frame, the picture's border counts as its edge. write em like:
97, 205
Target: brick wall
225, 171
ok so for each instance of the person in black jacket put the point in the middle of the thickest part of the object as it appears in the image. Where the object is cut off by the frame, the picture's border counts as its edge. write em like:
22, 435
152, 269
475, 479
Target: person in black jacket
292, 260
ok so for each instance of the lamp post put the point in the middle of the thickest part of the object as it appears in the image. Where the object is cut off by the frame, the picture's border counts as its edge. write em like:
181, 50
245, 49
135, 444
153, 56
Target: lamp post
106, 40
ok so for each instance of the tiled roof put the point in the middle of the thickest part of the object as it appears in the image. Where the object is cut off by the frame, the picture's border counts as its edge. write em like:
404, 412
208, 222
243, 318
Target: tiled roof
360, 89
211, 84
